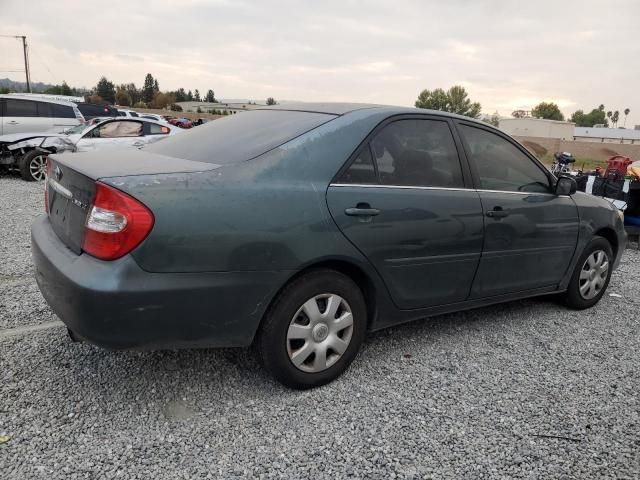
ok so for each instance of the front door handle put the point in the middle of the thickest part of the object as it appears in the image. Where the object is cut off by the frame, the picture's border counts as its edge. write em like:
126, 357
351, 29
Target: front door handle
12, 122
497, 212
362, 210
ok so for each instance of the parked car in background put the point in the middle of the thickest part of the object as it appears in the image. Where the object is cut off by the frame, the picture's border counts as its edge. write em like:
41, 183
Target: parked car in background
28, 152
22, 114
299, 228
181, 122
152, 116
127, 113
92, 110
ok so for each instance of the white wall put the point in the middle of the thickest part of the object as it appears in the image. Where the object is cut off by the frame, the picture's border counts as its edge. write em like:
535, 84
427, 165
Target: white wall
536, 127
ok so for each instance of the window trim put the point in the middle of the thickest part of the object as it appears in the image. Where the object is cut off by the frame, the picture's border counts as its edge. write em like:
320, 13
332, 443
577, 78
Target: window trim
473, 167
467, 177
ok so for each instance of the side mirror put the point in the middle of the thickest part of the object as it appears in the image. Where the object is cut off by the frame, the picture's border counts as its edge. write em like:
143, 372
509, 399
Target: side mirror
566, 186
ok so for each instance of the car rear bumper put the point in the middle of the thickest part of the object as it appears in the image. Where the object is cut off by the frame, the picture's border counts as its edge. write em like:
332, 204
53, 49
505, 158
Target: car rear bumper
118, 305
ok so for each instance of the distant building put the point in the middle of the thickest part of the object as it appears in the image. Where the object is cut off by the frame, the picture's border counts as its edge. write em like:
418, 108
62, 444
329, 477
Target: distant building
607, 135
537, 127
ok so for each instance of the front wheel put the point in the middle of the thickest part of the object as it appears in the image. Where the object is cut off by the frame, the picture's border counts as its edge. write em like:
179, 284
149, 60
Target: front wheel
591, 275
314, 329
32, 165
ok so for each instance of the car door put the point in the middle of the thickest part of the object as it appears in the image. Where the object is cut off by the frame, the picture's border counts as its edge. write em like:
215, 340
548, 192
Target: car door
24, 116
530, 233
405, 201
112, 134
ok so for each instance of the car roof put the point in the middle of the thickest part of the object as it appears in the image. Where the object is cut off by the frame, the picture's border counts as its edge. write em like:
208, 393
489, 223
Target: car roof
36, 99
337, 108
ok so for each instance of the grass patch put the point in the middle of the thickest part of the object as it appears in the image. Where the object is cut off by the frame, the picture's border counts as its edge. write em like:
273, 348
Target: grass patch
582, 163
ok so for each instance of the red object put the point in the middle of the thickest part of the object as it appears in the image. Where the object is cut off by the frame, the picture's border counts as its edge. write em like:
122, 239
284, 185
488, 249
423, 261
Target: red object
617, 165
116, 224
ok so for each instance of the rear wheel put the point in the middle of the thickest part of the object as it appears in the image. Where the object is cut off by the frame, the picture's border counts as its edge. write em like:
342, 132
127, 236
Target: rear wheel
32, 166
314, 329
591, 275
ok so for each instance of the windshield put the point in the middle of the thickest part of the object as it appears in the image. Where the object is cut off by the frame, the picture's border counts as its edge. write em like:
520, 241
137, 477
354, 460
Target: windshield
240, 137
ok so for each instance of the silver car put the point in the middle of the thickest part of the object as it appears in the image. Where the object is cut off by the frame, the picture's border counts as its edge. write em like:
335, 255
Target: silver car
27, 152
28, 113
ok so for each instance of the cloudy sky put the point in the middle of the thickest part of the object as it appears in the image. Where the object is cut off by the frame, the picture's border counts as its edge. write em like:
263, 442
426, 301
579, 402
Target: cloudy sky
508, 54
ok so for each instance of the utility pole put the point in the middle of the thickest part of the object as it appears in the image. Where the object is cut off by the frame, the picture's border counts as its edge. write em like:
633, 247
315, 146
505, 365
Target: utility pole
26, 58
26, 62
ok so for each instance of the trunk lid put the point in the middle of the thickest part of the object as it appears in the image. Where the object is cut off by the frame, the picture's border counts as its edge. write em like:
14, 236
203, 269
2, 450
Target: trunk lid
72, 180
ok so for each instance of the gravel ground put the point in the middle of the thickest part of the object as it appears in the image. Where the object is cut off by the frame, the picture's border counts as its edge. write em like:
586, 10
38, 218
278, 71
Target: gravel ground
521, 390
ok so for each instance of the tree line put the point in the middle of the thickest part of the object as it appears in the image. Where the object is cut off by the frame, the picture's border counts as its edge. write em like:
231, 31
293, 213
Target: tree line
456, 100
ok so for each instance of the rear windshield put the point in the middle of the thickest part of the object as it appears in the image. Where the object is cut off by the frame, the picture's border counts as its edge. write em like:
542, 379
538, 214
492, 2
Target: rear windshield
239, 137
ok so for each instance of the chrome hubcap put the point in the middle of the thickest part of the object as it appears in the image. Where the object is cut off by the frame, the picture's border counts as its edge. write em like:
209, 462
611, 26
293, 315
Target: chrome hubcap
320, 332
37, 167
593, 274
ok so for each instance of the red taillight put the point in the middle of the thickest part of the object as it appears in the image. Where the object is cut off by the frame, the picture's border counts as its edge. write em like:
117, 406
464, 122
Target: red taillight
47, 173
116, 224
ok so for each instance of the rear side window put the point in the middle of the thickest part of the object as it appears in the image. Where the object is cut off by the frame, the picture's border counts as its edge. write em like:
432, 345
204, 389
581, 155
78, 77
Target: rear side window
155, 129
20, 108
239, 137
501, 165
417, 153
62, 111
361, 170
44, 109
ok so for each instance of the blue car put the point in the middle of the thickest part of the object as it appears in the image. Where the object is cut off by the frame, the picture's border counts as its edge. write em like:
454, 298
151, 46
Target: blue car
299, 228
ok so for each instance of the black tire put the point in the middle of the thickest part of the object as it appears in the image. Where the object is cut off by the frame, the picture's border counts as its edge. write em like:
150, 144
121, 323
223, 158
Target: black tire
272, 342
25, 165
572, 297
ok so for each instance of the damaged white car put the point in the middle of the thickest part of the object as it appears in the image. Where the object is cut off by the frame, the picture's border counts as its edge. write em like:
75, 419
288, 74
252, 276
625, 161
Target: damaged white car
27, 152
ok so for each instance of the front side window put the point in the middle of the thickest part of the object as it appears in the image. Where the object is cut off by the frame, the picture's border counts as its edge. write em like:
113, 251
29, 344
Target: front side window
117, 130
417, 153
501, 165
20, 108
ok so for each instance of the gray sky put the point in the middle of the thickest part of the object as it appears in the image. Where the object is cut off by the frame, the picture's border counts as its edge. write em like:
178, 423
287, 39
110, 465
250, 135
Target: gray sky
508, 54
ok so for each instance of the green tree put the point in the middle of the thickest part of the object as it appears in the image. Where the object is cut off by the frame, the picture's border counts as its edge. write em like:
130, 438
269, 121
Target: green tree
181, 95
122, 96
149, 88
156, 87
210, 97
455, 100
493, 119
548, 111
609, 114
196, 96
189, 96
627, 111
270, 101
174, 107
433, 100
106, 90
597, 116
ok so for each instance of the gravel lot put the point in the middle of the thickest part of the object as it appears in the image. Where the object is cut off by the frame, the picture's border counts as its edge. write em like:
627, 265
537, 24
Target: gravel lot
522, 390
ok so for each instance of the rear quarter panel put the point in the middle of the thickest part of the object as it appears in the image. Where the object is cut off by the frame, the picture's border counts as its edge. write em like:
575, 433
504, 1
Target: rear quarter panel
269, 213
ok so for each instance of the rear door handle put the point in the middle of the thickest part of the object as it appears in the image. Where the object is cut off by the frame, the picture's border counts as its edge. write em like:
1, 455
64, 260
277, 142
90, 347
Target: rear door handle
362, 210
12, 122
497, 212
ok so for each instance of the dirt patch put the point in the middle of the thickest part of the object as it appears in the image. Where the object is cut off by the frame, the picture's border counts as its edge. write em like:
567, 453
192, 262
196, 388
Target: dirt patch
608, 152
535, 148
